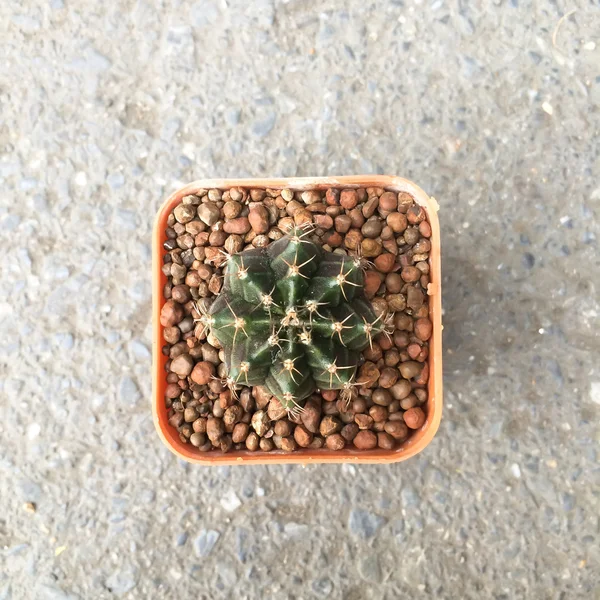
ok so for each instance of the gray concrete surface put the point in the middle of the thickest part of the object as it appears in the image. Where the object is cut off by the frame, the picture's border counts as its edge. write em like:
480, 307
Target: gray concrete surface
492, 107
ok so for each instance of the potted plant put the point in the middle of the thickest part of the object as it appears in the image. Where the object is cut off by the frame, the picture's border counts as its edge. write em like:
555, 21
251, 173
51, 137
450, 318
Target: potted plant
297, 320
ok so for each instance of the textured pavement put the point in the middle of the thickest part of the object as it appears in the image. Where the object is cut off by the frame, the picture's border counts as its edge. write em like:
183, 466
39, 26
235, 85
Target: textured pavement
493, 108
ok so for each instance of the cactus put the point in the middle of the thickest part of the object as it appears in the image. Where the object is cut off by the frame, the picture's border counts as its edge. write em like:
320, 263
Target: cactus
292, 317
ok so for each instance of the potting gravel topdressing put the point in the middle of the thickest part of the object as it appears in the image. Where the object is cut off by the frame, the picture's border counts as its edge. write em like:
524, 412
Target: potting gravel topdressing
380, 401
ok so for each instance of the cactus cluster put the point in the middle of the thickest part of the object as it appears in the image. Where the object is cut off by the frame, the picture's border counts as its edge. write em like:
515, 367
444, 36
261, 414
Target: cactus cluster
292, 317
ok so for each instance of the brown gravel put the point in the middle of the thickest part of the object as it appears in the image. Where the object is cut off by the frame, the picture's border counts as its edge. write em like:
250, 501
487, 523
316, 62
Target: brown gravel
348, 199
387, 229
414, 417
365, 440
330, 425
171, 313
335, 442
302, 436
202, 373
259, 219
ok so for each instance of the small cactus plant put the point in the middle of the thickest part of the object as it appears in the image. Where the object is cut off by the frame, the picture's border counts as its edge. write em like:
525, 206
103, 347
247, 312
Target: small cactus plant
292, 317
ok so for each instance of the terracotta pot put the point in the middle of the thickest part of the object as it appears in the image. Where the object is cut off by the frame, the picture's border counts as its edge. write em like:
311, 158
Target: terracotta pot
418, 439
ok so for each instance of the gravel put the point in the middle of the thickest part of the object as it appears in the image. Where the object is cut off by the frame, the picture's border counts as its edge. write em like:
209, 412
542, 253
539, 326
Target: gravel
364, 524
255, 218
205, 542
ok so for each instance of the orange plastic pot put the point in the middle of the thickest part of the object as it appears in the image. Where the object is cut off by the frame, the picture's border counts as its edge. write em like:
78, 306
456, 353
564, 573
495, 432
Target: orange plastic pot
417, 441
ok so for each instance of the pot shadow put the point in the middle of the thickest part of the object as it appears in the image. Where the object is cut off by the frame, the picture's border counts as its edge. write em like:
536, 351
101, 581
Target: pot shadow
467, 303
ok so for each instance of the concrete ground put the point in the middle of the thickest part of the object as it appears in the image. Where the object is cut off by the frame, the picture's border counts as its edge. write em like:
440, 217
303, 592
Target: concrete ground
492, 107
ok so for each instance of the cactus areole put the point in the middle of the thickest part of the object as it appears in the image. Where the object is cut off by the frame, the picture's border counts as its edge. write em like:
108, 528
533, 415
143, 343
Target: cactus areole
292, 317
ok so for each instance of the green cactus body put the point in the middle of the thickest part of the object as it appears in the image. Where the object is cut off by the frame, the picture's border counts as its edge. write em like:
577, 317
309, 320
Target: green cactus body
292, 317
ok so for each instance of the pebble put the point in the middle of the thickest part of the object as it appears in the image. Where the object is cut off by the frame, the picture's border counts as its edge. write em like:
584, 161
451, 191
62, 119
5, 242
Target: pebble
368, 374
335, 442
302, 436
378, 413
332, 197
349, 431
397, 222
414, 417
370, 206
181, 539
262, 127
372, 228
259, 219
382, 396
172, 390
410, 369
184, 213
329, 425
333, 238
205, 542
424, 375
202, 372
171, 313
423, 329
129, 392
414, 298
385, 262
425, 229
214, 429
410, 274
209, 213
252, 441
232, 209
396, 302
182, 365
323, 221
394, 283
230, 501
302, 217
397, 429
385, 441
372, 283
275, 410
311, 416
240, 226
197, 439
365, 524
348, 199
415, 214
357, 218
343, 223
240, 433
388, 201
405, 201
260, 422
411, 236
371, 248
214, 195
353, 239
365, 440
311, 197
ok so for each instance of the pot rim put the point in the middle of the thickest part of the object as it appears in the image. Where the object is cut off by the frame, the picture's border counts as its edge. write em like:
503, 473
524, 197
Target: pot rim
418, 439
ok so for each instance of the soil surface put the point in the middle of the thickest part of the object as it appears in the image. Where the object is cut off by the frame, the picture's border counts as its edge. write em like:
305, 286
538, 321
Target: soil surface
385, 232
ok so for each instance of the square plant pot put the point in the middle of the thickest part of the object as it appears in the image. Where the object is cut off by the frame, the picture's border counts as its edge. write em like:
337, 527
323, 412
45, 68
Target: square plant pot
416, 441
